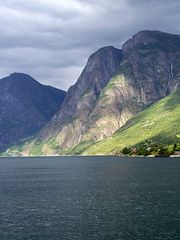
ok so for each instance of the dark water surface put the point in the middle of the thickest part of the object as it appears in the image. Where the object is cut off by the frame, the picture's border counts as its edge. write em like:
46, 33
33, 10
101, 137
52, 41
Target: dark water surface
89, 198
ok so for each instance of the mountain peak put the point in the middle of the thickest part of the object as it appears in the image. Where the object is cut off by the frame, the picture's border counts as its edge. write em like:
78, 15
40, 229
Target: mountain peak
104, 49
103, 54
18, 75
25, 106
21, 76
154, 33
151, 39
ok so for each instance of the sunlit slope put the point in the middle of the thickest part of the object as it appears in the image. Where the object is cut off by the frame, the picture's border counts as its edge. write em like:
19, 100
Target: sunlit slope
159, 123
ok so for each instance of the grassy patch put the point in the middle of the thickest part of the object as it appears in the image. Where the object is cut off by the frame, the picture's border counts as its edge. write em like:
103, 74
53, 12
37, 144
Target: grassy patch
80, 148
112, 83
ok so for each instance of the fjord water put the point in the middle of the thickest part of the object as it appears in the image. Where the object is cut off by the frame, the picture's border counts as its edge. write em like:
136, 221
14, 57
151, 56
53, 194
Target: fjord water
89, 198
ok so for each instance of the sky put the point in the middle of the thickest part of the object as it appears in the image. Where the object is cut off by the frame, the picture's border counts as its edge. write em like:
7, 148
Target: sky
51, 40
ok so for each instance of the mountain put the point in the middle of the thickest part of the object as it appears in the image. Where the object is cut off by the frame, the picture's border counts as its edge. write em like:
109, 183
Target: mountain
25, 107
81, 98
158, 124
115, 86
149, 71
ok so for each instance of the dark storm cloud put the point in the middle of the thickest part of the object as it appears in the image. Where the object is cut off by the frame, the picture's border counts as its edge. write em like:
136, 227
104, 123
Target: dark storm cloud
52, 39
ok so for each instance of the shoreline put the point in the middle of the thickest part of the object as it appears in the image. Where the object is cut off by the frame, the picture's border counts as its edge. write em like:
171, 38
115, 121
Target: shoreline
85, 156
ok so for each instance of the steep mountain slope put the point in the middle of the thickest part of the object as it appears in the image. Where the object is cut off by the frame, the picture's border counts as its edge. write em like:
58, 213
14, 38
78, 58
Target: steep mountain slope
147, 69
25, 107
68, 124
159, 123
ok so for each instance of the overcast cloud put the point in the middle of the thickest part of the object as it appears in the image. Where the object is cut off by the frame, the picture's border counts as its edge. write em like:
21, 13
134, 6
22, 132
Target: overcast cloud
52, 39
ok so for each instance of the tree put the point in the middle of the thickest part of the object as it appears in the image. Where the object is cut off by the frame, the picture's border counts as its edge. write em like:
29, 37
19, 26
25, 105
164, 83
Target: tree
175, 146
126, 151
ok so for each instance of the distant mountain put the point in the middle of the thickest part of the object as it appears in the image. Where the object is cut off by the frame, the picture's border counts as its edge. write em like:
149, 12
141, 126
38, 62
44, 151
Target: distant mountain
115, 86
25, 107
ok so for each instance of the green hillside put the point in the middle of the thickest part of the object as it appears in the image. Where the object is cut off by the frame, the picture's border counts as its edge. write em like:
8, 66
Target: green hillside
158, 124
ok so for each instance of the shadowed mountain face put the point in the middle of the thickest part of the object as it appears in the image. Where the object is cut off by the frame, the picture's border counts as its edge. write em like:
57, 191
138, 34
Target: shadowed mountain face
25, 107
151, 59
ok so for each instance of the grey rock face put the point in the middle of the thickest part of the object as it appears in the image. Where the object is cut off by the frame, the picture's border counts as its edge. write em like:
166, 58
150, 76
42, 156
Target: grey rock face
101, 66
151, 62
25, 107
81, 97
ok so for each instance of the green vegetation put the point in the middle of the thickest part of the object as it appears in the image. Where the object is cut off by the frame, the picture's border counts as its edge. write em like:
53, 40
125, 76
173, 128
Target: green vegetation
32, 148
112, 84
36, 150
176, 147
15, 151
126, 150
155, 127
149, 148
77, 150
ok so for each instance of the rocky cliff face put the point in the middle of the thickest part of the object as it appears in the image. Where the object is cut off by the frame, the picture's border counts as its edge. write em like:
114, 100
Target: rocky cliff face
25, 107
151, 59
149, 71
80, 100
